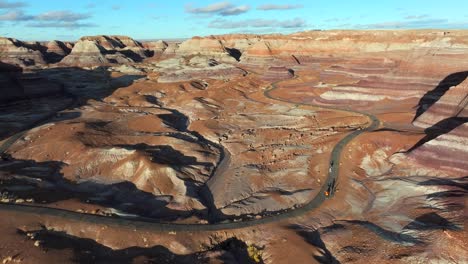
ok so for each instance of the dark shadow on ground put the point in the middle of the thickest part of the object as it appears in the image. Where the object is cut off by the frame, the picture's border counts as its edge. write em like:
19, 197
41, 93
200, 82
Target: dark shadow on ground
399, 238
442, 127
313, 237
235, 53
20, 91
86, 250
44, 182
461, 182
435, 94
431, 221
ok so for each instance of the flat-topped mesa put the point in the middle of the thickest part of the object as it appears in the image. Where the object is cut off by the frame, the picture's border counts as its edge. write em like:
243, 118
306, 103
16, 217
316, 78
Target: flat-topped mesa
17, 52
98, 50
321, 43
206, 47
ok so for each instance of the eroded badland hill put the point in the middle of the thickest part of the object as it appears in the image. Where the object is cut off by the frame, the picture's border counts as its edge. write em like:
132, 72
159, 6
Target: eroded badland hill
313, 147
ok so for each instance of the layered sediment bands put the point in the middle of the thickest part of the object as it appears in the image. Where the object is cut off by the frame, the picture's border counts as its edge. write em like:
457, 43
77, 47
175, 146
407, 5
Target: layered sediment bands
16, 85
446, 152
113, 42
171, 49
277, 73
86, 52
179, 69
186, 138
157, 47
446, 104
56, 50
444, 147
98, 50
143, 163
207, 47
17, 52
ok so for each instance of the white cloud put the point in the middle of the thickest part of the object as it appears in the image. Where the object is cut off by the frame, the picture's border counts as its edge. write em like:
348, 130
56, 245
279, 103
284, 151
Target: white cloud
15, 15
268, 7
220, 8
61, 16
257, 23
6, 4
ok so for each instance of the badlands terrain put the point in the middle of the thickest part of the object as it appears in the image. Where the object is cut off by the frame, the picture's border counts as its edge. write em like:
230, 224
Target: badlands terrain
313, 147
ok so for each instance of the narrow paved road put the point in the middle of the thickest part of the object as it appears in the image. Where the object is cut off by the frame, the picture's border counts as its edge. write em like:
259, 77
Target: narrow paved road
154, 226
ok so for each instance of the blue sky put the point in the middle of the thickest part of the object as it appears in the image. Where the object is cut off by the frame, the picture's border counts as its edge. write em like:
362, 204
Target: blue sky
150, 19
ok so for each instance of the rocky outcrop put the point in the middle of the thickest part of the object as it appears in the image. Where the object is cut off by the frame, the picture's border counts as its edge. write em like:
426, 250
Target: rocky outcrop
17, 52
56, 51
113, 42
157, 47
318, 43
210, 47
98, 50
86, 52
171, 49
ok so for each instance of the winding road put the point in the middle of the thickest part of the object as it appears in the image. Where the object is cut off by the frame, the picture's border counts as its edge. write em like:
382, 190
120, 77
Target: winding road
155, 226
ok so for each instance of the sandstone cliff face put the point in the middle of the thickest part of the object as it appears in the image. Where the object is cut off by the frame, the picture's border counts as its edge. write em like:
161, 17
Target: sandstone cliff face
20, 53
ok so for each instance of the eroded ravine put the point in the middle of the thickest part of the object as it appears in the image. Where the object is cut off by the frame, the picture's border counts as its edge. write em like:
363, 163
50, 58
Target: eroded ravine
149, 225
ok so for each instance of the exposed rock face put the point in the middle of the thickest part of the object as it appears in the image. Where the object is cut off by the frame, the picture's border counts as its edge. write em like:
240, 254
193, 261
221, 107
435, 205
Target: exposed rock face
189, 138
157, 47
97, 50
239, 41
171, 49
15, 85
207, 47
198, 67
454, 103
446, 122
57, 47
18, 52
277, 73
86, 52
113, 42
56, 50
446, 152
